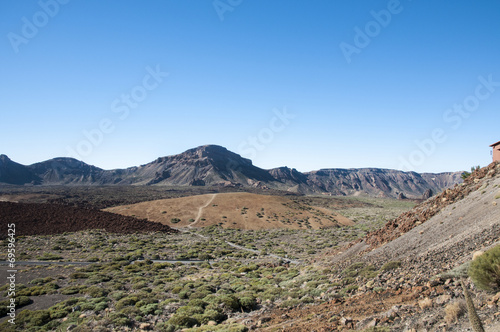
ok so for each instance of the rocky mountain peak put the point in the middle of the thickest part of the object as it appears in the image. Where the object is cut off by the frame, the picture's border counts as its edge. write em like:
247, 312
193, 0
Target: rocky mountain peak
4, 158
215, 153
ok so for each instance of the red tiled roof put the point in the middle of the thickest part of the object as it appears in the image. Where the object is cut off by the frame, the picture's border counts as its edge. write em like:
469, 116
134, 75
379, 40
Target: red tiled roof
495, 144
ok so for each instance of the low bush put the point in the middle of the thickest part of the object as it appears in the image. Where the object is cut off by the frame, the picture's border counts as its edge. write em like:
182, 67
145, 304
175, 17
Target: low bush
485, 270
126, 301
120, 319
70, 290
38, 290
453, 311
182, 321
95, 291
391, 265
41, 281
37, 318
47, 256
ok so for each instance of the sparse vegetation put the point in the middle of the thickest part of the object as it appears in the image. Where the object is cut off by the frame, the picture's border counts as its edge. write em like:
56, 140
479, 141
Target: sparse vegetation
454, 310
466, 174
391, 265
119, 293
485, 270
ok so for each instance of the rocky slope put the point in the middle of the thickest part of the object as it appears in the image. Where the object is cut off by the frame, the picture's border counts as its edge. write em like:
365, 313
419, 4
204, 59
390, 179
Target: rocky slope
213, 165
380, 182
49, 219
403, 276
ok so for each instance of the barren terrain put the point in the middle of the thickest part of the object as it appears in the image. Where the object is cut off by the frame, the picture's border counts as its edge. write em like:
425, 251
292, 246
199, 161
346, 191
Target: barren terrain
383, 273
234, 210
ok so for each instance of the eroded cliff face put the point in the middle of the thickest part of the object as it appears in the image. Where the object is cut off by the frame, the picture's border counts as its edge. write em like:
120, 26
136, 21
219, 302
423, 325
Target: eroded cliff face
380, 182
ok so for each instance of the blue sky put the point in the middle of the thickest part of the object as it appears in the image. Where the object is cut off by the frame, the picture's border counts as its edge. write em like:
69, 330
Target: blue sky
412, 85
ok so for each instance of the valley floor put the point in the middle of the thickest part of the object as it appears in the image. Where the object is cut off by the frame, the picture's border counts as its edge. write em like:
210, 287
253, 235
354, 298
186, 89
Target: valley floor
384, 273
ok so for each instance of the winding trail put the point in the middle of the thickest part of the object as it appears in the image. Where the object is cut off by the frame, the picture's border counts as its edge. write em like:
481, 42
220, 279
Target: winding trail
200, 211
234, 245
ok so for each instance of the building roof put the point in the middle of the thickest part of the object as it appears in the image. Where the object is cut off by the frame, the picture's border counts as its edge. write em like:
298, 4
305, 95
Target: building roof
495, 144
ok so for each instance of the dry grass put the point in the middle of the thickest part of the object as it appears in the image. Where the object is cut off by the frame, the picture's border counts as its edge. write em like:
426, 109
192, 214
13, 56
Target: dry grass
453, 311
425, 303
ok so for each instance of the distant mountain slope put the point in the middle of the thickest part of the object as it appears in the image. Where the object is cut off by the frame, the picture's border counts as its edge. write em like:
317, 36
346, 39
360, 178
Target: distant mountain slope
379, 182
14, 173
67, 171
206, 165
212, 165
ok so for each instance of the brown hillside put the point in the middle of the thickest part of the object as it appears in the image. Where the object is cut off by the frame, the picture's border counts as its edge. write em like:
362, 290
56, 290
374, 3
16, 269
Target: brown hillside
234, 210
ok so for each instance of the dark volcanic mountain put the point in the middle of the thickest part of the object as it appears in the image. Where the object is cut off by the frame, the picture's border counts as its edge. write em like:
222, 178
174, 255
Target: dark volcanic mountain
67, 171
206, 165
213, 165
14, 173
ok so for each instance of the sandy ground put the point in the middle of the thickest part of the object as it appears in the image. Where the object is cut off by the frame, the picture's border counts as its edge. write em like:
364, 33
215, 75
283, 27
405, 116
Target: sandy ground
234, 210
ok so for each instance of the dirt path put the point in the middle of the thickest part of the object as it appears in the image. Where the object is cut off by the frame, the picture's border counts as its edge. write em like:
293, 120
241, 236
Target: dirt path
200, 210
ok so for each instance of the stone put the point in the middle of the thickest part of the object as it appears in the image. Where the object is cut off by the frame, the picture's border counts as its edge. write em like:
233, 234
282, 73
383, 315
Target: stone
442, 299
477, 254
345, 321
144, 326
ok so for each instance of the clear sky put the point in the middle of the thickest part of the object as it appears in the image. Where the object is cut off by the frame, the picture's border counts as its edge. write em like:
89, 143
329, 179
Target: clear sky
412, 85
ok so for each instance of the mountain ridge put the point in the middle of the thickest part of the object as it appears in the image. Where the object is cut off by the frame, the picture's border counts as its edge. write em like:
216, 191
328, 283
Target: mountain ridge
213, 165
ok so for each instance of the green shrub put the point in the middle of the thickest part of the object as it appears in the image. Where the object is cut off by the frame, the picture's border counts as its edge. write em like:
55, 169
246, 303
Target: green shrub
120, 319
41, 281
38, 290
33, 318
182, 320
369, 272
118, 295
290, 303
230, 302
127, 301
391, 265
149, 308
485, 270
98, 278
248, 302
70, 290
95, 291
189, 310
20, 301
79, 275
347, 281
213, 314
130, 311
197, 303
